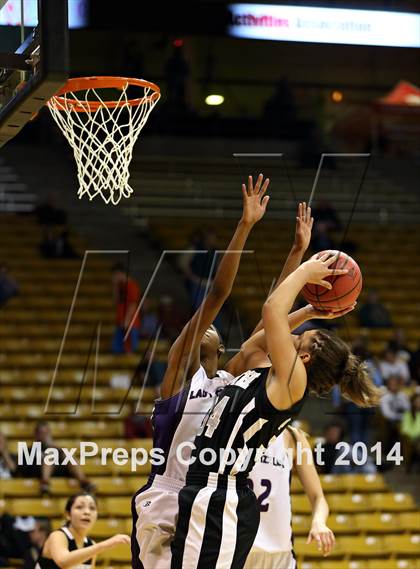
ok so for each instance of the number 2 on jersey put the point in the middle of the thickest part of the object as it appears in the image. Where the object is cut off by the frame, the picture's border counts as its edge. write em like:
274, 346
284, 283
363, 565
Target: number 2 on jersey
265, 483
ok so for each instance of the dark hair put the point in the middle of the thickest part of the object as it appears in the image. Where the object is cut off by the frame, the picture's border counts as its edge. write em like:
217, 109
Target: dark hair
71, 500
44, 524
332, 363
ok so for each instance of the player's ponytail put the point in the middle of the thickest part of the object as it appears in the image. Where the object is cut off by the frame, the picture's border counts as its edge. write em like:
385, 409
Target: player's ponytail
356, 384
332, 363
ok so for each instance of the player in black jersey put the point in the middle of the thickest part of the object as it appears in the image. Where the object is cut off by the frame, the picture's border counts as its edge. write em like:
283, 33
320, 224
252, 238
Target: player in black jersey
218, 513
70, 547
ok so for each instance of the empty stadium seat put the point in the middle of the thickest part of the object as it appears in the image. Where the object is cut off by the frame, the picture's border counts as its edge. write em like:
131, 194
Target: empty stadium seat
368, 546
377, 522
392, 502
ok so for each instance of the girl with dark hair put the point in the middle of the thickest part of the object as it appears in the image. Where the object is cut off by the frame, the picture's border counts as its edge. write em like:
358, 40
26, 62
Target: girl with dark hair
218, 513
70, 547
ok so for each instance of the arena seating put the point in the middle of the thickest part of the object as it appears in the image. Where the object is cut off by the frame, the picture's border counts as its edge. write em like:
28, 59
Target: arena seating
375, 527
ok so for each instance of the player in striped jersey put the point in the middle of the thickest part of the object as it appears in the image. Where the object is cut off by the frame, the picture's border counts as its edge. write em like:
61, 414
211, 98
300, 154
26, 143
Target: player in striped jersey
271, 478
191, 381
218, 513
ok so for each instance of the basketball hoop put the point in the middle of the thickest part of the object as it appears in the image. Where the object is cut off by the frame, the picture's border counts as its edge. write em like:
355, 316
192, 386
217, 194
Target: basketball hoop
102, 133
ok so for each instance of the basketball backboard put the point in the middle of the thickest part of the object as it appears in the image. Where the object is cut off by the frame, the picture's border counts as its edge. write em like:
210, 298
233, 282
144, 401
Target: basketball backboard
34, 59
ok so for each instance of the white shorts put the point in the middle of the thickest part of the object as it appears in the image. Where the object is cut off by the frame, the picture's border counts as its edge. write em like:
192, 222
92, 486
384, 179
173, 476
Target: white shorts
157, 511
259, 559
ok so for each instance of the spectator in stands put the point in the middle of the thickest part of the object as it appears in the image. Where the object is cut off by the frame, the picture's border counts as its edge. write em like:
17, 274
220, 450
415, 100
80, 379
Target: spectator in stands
149, 319
126, 294
57, 247
393, 405
48, 214
61, 549
326, 222
8, 463
8, 285
38, 536
391, 364
137, 425
334, 434
410, 429
15, 540
44, 472
373, 313
398, 343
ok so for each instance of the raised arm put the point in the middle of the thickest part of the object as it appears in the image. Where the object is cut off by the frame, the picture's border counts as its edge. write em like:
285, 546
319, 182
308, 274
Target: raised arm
303, 230
287, 380
184, 356
308, 475
253, 352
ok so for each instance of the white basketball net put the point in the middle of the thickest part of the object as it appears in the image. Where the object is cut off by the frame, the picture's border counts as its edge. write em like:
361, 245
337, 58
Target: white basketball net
102, 140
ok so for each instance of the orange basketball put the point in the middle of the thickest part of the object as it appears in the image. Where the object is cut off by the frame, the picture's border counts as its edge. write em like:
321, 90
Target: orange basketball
345, 288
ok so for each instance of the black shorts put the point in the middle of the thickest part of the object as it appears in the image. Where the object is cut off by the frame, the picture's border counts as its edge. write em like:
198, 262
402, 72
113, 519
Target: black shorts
217, 524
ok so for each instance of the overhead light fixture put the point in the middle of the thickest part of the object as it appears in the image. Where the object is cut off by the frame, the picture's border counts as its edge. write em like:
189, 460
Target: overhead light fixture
214, 100
337, 96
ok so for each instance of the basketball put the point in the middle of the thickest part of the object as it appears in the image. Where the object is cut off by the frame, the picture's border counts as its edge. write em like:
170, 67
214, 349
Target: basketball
345, 288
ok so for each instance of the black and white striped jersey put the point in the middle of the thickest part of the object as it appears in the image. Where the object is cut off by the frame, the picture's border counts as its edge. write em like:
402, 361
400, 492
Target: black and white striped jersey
241, 422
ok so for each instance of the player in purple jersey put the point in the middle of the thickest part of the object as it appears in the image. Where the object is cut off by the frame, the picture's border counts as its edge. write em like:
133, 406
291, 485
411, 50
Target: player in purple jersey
186, 392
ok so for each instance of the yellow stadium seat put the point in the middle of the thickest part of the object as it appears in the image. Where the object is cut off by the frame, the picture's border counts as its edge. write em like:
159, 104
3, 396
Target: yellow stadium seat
363, 482
105, 528
349, 503
126, 469
341, 523
303, 549
392, 502
392, 564
118, 507
136, 482
119, 554
377, 522
331, 482
19, 487
301, 524
94, 467
367, 546
409, 521
35, 507
308, 564
63, 486
112, 486
403, 544
301, 504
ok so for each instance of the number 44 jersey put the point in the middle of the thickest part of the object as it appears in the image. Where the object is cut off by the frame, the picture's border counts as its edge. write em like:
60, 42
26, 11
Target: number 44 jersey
239, 426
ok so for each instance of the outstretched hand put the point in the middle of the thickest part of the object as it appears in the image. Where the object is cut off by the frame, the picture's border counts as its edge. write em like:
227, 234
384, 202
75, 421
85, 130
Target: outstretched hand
304, 223
255, 202
317, 269
328, 314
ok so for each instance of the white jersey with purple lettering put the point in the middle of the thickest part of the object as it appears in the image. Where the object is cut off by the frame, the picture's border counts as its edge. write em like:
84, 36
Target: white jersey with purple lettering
270, 479
176, 421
